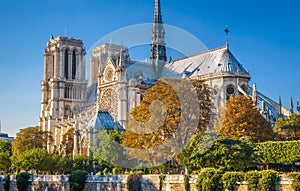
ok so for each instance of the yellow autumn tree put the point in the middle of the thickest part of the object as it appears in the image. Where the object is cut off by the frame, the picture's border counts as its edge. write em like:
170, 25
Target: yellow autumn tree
166, 112
242, 119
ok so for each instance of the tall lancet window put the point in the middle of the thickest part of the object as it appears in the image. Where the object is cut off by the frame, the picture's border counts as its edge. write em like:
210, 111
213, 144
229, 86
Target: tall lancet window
66, 64
73, 64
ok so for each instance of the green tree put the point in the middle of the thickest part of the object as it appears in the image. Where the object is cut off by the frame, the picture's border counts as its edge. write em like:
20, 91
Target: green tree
242, 119
35, 159
159, 116
6, 147
5, 162
30, 138
80, 162
278, 152
5, 154
222, 153
65, 164
288, 129
108, 141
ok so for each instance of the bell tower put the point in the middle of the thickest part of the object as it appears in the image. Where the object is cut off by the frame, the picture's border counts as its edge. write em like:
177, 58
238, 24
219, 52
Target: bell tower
64, 85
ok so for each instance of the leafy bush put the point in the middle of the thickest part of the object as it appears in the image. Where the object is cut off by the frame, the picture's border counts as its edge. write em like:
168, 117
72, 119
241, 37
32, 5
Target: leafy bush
278, 152
187, 182
296, 180
6, 184
252, 179
268, 180
209, 179
77, 180
161, 181
22, 181
230, 179
134, 182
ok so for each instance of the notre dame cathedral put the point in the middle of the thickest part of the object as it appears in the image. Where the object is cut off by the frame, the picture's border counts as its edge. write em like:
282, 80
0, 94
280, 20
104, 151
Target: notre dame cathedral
117, 84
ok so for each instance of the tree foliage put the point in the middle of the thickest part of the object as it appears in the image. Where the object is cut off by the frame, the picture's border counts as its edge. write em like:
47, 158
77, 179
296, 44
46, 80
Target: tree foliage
35, 159
221, 153
158, 117
80, 162
278, 152
296, 180
252, 179
242, 119
288, 129
5, 154
6, 147
106, 142
30, 138
209, 179
230, 179
268, 180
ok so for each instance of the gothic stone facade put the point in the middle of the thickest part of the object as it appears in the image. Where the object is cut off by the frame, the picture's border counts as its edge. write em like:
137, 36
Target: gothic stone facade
117, 83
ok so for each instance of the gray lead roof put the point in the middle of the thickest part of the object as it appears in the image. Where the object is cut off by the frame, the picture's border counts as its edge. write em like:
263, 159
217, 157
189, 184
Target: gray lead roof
213, 61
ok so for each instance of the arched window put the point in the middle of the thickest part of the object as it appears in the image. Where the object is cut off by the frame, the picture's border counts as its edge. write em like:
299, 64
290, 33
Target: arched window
73, 64
66, 64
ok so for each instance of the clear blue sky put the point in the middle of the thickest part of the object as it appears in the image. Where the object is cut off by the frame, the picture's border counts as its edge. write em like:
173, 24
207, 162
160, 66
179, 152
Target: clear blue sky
264, 36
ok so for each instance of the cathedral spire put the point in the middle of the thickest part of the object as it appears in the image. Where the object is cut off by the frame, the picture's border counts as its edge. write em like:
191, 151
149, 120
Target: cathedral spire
291, 105
227, 37
158, 48
280, 107
157, 12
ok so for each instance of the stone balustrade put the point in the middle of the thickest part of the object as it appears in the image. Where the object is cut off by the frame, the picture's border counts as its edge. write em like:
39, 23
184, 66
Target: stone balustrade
119, 183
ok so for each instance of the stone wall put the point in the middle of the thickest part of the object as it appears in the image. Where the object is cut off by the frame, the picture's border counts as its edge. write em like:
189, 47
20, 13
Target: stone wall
119, 183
